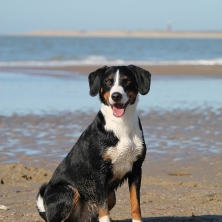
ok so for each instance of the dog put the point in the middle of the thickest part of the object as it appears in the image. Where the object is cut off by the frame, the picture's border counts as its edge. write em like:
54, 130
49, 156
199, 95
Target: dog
110, 151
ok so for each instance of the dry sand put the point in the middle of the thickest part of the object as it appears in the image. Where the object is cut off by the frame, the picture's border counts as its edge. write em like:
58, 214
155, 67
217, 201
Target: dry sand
177, 185
183, 191
126, 34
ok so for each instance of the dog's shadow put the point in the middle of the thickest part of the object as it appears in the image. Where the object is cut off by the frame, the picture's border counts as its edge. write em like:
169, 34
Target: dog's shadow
203, 218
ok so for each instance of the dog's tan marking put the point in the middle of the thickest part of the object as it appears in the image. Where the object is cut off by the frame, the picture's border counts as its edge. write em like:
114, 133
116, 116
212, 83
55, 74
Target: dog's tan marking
107, 157
76, 198
74, 203
106, 96
135, 205
131, 94
102, 212
101, 90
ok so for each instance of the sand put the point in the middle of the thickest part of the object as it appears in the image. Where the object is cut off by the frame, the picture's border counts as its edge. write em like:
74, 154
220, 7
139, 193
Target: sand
125, 34
187, 191
182, 180
191, 70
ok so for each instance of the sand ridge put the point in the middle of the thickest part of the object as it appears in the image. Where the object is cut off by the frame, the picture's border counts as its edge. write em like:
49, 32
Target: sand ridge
126, 34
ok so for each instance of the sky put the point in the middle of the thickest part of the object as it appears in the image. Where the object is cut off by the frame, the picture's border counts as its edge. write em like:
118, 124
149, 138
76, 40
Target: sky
20, 16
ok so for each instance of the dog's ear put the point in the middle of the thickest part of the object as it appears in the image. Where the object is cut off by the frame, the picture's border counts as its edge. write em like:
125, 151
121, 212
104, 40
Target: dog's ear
143, 78
94, 80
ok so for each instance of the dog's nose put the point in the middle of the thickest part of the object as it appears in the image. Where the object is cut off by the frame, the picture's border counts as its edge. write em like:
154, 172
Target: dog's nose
116, 96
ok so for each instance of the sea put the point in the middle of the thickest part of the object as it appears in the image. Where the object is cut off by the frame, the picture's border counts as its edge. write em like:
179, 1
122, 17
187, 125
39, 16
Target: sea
63, 51
39, 92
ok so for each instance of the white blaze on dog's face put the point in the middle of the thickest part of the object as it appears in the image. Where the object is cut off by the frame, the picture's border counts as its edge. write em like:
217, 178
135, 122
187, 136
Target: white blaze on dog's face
118, 97
118, 90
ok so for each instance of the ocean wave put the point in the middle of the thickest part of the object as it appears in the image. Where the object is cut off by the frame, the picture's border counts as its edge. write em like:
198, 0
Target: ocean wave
100, 60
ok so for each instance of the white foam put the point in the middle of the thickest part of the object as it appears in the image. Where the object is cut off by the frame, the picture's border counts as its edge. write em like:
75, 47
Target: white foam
101, 60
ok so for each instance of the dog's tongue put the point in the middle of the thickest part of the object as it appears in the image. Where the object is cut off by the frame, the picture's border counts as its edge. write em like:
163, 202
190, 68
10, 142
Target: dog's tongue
118, 110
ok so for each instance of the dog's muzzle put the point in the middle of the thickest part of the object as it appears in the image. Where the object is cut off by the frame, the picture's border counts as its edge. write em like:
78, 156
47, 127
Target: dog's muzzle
118, 107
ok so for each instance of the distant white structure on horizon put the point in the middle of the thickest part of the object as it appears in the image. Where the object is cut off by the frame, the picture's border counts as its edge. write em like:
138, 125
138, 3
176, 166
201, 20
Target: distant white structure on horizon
169, 26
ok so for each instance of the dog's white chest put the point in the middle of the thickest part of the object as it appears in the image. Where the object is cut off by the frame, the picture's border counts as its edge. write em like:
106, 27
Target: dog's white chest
126, 152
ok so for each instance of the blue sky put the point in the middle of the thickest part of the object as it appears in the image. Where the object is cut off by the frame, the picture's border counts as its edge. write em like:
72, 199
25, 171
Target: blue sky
18, 16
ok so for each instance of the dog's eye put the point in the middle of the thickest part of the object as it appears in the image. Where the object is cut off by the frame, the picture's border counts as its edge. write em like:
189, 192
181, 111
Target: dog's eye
127, 81
108, 82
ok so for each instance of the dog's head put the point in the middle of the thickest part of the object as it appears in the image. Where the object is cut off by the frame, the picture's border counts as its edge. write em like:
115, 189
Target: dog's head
118, 86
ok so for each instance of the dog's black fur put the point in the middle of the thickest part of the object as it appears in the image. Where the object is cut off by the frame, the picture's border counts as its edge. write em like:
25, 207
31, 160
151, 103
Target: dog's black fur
83, 186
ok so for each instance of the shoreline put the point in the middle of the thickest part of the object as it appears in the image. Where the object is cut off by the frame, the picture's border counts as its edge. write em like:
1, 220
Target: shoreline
189, 70
165, 138
123, 34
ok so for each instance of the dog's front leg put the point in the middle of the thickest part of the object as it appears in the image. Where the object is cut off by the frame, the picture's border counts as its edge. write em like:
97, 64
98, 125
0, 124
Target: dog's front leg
101, 193
103, 214
134, 181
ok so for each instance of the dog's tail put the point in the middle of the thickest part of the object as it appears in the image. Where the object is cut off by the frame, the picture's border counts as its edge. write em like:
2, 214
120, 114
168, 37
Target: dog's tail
39, 201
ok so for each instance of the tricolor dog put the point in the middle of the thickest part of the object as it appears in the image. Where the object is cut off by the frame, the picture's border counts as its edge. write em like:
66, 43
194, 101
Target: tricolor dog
110, 151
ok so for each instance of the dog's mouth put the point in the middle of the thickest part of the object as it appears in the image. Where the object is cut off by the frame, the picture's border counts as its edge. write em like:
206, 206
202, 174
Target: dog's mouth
119, 109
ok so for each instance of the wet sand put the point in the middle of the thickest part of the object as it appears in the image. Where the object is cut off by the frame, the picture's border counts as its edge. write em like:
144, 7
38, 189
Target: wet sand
191, 70
204, 70
182, 173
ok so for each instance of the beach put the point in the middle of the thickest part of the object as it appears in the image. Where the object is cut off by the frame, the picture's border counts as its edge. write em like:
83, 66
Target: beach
200, 70
125, 34
157, 70
182, 172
